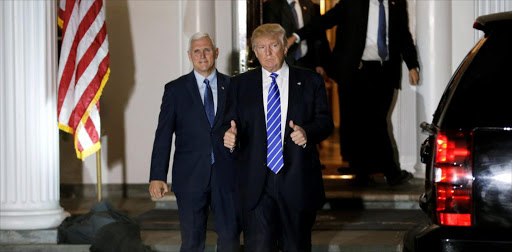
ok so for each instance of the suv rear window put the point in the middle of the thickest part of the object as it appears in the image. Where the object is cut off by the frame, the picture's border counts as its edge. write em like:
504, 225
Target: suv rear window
483, 96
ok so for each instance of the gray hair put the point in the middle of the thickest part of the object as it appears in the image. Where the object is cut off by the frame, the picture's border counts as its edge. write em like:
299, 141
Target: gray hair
199, 35
269, 30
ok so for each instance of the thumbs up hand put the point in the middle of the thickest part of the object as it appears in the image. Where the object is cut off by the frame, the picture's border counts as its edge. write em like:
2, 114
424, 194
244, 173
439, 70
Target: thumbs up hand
230, 136
298, 135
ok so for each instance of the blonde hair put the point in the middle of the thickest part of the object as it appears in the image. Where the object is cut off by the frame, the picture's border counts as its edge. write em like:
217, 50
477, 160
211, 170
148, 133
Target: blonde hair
269, 30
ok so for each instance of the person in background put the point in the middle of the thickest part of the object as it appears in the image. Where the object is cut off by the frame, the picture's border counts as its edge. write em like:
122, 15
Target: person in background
292, 15
372, 38
275, 116
203, 172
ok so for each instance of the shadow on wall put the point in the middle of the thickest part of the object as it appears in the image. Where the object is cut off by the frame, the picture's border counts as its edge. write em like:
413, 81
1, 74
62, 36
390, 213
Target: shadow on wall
396, 155
113, 102
120, 86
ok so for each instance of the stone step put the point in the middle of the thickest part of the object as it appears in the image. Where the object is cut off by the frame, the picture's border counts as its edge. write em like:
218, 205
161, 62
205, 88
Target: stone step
45, 248
210, 248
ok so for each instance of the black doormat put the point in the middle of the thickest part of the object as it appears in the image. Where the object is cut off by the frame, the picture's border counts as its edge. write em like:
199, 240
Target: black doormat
350, 219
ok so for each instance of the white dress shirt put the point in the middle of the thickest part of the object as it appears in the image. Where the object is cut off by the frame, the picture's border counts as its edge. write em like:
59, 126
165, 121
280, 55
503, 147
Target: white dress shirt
282, 83
213, 85
371, 51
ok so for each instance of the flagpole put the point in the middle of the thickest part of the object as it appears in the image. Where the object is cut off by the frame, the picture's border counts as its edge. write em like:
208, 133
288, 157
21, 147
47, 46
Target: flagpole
98, 174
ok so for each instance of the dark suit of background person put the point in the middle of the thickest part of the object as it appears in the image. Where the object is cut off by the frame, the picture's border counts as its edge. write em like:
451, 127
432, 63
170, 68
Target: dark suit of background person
366, 88
197, 183
278, 206
318, 51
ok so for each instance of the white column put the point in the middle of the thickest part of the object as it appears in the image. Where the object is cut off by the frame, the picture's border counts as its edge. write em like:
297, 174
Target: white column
198, 16
404, 113
434, 45
29, 151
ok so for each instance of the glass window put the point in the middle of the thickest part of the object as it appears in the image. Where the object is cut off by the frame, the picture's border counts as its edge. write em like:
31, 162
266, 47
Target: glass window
483, 97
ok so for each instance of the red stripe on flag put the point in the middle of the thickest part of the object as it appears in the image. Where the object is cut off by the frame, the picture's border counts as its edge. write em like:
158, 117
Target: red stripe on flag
69, 68
70, 4
90, 92
91, 52
78, 145
74, 68
67, 74
88, 20
91, 129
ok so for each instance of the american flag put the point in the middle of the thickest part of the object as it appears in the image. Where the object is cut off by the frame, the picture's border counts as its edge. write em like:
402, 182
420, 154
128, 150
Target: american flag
83, 71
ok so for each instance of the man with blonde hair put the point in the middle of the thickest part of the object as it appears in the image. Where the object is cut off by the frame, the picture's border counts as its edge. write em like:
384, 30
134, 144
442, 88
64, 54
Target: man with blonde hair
202, 172
275, 116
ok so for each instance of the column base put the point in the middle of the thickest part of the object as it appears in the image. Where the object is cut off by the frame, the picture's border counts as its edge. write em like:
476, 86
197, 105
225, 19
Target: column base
27, 220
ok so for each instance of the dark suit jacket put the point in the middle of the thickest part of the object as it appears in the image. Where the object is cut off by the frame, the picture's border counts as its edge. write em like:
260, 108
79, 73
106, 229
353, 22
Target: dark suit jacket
351, 17
302, 185
279, 11
182, 112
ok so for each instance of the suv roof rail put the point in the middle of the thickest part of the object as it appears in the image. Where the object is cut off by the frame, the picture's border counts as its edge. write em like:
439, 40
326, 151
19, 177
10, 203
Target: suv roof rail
487, 23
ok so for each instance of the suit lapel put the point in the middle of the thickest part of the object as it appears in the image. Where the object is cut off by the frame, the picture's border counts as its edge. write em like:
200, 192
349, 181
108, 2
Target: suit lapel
256, 88
221, 96
294, 98
192, 88
365, 8
306, 12
196, 96
391, 21
287, 14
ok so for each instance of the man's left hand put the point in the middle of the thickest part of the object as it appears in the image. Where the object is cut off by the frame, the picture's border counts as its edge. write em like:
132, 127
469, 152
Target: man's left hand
414, 76
290, 41
298, 135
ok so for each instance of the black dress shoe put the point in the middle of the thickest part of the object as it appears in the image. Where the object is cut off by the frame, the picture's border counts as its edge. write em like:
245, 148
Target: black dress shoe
347, 170
400, 179
363, 180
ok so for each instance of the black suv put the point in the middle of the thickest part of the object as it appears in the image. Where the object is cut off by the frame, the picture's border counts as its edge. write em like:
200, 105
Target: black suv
468, 154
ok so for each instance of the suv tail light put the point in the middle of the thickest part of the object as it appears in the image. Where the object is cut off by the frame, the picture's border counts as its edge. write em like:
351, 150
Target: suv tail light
453, 178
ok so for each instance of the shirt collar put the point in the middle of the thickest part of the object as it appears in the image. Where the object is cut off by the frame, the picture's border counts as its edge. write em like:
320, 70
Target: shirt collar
200, 78
284, 69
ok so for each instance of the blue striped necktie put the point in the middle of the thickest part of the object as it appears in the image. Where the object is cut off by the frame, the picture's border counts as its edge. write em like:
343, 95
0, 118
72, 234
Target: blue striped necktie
274, 145
209, 107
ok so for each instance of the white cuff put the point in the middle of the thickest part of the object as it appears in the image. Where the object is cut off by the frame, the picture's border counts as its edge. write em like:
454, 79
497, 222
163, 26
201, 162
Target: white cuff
297, 37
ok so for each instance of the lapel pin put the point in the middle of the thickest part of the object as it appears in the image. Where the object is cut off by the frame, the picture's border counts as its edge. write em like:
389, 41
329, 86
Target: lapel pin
299, 83
393, 3
222, 87
304, 7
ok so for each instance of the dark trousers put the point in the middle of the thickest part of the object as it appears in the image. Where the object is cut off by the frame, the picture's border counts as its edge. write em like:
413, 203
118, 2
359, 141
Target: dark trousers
274, 225
365, 121
194, 207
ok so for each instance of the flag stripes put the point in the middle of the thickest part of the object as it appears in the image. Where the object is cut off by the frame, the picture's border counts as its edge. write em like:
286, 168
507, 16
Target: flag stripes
83, 71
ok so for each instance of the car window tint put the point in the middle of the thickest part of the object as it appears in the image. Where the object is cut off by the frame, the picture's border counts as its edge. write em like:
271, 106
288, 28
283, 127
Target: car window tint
484, 94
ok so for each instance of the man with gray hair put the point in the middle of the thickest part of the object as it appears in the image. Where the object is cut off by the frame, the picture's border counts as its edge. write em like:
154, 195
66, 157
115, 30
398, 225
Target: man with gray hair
275, 116
202, 172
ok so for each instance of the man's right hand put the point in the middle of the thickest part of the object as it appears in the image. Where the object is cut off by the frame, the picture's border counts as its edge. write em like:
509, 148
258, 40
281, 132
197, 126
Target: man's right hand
230, 136
158, 188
